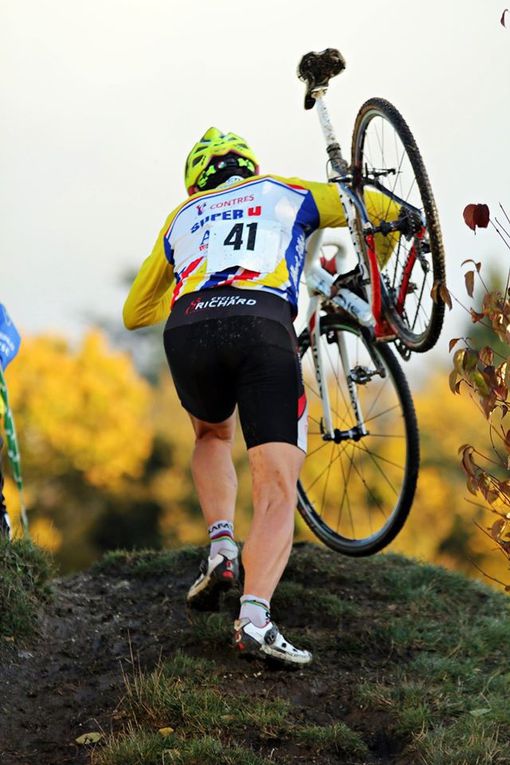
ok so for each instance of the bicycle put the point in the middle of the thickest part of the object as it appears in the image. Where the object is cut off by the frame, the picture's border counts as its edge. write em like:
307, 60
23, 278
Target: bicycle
368, 422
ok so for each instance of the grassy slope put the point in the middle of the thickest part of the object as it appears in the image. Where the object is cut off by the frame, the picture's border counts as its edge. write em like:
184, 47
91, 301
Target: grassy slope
24, 573
411, 667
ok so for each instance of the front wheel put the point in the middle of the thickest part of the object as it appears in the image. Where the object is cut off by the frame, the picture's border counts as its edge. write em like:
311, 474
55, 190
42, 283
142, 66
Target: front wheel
355, 491
389, 174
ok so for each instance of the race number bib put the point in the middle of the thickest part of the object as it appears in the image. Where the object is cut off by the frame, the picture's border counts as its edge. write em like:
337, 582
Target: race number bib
254, 246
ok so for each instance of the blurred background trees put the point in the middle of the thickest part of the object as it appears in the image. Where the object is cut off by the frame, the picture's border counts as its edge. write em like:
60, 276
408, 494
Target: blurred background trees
106, 453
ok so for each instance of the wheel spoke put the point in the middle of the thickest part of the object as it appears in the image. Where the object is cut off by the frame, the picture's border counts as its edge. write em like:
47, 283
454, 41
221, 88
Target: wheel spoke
385, 151
351, 494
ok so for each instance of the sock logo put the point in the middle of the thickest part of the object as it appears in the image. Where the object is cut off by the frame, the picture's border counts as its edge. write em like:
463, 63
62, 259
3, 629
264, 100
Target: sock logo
221, 525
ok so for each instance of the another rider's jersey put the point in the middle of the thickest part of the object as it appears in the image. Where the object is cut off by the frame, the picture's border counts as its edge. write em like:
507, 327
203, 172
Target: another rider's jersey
250, 235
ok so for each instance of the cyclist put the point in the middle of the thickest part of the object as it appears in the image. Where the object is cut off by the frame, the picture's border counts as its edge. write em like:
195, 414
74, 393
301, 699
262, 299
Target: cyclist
224, 273
9, 346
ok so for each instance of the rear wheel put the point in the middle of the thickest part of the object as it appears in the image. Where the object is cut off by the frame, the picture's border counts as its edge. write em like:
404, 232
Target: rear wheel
388, 172
355, 492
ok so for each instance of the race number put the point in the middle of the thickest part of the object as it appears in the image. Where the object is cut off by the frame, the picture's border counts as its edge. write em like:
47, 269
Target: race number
254, 246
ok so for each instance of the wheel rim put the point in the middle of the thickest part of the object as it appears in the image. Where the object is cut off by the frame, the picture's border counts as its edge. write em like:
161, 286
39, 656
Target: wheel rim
407, 265
351, 491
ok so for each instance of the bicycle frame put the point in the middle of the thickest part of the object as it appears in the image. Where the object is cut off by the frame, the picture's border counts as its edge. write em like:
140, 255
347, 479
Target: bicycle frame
347, 345
353, 206
321, 284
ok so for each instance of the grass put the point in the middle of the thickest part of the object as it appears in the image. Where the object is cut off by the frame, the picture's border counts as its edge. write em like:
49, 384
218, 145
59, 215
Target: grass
466, 742
337, 737
327, 606
135, 747
179, 694
25, 571
411, 666
138, 747
210, 630
146, 563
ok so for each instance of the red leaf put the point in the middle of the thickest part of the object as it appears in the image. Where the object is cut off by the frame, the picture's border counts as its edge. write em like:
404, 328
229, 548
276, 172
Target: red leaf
453, 342
482, 216
476, 215
469, 216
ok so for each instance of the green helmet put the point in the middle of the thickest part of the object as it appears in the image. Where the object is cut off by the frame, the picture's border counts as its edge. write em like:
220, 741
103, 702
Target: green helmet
218, 154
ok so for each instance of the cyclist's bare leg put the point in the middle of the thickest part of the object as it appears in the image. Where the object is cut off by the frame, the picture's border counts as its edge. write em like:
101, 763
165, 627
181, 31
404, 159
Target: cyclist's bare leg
275, 469
213, 469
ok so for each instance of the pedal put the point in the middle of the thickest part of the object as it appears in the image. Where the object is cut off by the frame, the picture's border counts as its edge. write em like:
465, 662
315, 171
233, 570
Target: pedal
403, 350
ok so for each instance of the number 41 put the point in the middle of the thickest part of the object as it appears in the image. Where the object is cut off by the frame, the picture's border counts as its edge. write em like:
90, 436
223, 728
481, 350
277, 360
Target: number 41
235, 236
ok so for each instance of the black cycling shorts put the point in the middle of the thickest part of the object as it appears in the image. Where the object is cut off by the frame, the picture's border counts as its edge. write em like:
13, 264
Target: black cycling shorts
228, 347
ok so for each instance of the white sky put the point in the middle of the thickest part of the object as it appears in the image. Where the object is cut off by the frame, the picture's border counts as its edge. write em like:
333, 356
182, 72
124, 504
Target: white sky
101, 102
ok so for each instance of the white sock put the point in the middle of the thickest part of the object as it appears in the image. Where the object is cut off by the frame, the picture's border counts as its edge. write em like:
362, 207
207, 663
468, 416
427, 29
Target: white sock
256, 609
221, 534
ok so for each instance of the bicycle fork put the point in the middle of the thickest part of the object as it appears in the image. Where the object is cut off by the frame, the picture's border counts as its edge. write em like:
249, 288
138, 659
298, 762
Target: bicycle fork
329, 432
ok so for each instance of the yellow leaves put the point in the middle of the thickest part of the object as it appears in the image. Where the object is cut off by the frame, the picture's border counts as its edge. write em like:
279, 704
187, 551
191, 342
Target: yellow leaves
488, 382
82, 409
45, 534
166, 731
89, 738
441, 527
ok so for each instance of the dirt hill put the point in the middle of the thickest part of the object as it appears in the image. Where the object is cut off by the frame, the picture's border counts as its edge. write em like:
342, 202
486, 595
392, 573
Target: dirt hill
410, 667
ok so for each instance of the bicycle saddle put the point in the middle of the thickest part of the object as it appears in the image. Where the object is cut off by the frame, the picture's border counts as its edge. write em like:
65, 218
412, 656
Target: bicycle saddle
316, 69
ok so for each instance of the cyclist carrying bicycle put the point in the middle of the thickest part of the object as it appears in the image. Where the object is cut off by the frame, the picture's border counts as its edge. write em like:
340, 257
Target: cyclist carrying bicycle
224, 275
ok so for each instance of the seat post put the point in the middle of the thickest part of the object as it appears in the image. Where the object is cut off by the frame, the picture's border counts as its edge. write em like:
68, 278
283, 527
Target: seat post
338, 163
316, 70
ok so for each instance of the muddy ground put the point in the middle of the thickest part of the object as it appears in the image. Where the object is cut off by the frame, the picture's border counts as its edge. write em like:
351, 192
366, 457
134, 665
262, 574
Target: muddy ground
107, 623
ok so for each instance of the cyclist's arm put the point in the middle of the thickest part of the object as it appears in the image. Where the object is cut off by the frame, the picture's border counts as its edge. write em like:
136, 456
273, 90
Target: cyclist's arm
326, 201
150, 296
331, 213
330, 209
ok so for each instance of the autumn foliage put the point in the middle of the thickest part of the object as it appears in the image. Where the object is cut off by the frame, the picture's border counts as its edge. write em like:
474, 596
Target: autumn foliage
106, 461
82, 416
80, 409
485, 373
